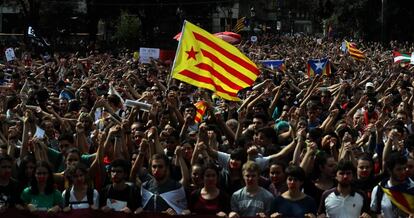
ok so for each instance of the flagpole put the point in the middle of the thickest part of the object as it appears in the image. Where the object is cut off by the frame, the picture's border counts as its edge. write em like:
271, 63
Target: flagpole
176, 54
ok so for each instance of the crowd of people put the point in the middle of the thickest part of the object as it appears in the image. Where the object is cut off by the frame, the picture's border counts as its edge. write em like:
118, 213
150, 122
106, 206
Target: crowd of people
295, 146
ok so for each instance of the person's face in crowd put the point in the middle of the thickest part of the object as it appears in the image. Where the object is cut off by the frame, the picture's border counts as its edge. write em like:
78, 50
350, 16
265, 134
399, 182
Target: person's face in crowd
398, 173
76, 83
364, 169
117, 175
63, 104
78, 178
72, 159
401, 107
328, 141
251, 178
410, 168
189, 111
188, 151
5, 169
235, 164
164, 119
357, 120
258, 110
210, 178
41, 175
276, 174
138, 136
29, 169
64, 145
155, 91
261, 140
171, 143
192, 136
158, 169
196, 175
302, 125
83, 94
370, 106
329, 169
402, 117
257, 123
344, 177
293, 183
402, 91
312, 114
49, 130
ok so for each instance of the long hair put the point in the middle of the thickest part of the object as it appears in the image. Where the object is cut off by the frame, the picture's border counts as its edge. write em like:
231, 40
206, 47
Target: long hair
49, 182
21, 171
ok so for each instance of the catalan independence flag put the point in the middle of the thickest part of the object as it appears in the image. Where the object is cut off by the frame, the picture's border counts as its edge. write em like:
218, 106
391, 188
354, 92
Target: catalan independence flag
201, 109
205, 61
319, 67
274, 64
354, 51
404, 201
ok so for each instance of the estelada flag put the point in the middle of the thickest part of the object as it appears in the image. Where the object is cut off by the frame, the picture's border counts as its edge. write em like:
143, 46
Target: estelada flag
274, 64
319, 67
403, 200
205, 61
201, 109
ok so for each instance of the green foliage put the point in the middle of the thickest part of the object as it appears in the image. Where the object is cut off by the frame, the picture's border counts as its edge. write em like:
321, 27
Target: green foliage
128, 30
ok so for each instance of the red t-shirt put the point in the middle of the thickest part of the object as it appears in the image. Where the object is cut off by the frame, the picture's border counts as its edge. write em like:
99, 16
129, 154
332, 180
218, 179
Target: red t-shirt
199, 205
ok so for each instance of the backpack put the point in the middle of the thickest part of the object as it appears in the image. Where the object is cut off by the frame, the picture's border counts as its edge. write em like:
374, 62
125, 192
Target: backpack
89, 196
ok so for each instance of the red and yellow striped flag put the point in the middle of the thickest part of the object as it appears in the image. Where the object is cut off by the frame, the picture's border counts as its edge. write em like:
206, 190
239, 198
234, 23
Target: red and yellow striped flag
201, 109
205, 61
404, 201
354, 51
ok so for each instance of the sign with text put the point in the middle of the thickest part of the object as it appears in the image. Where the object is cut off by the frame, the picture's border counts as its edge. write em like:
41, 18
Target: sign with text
145, 54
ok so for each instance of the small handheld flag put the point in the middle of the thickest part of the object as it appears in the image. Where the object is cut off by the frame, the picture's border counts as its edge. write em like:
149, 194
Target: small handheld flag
319, 67
201, 109
354, 51
274, 64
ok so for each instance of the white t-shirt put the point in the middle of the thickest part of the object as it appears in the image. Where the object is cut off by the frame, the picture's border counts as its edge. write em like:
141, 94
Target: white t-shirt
84, 201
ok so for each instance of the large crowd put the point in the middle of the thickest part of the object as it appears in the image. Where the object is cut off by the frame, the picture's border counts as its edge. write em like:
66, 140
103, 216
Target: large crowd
295, 146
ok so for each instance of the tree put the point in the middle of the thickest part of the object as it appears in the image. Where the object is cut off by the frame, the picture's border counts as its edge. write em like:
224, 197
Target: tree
128, 30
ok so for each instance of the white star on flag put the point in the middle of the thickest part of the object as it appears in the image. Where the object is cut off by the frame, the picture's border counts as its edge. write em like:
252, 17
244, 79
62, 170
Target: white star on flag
319, 65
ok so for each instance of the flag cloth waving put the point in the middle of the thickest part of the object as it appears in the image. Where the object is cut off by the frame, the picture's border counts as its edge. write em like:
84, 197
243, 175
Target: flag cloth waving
319, 67
403, 59
404, 201
205, 61
201, 109
274, 64
354, 51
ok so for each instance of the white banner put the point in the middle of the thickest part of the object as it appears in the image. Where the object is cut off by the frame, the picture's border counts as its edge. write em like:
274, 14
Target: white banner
145, 54
10, 56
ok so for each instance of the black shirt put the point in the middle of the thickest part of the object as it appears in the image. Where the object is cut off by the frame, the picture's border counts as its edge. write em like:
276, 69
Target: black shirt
9, 194
130, 194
